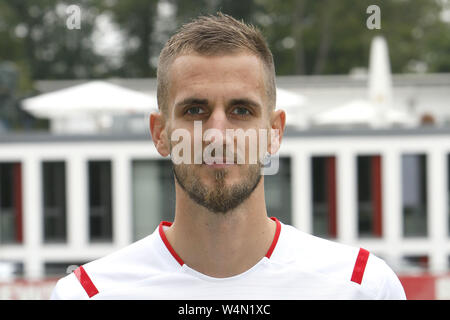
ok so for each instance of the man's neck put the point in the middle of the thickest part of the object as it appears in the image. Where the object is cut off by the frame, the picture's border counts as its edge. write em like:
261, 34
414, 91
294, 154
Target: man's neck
221, 245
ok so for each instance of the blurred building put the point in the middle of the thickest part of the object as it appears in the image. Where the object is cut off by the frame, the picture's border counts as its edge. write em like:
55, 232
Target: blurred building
77, 193
69, 198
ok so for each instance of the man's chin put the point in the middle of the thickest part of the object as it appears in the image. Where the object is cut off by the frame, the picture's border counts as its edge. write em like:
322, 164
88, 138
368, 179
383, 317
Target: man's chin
220, 191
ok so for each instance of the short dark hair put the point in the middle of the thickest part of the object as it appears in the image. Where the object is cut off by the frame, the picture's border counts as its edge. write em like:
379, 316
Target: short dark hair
214, 35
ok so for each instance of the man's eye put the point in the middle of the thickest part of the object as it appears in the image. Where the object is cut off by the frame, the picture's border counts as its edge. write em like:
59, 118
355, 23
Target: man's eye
195, 111
241, 111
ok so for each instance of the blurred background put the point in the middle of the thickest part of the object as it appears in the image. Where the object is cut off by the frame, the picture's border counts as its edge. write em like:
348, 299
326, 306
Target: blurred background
365, 159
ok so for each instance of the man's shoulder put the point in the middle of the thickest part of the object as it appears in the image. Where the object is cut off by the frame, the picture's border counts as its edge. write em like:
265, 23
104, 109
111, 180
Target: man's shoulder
119, 268
351, 265
319, 252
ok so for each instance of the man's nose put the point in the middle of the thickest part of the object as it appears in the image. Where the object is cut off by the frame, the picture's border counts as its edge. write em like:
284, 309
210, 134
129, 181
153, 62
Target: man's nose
217, 120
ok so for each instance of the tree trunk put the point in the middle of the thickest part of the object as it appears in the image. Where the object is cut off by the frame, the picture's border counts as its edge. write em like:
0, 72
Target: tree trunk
297, 32
325, 38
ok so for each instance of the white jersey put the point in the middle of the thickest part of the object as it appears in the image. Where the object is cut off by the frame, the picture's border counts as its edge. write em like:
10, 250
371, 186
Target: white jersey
297, 266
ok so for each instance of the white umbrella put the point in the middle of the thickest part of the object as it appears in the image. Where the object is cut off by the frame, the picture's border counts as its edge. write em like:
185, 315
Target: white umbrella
94, 97
377, 110
380, 89
287, 99
292, 104
362, 112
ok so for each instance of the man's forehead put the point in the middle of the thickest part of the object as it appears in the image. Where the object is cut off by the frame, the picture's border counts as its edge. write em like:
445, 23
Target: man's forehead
195, 65
195, 75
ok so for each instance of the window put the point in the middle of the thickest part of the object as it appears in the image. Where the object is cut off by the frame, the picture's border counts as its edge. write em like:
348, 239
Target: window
11, 203
54, 201
369, 196
11, 270
417, 263
100, 202
324, 196
414, 196
277, 190
153, 195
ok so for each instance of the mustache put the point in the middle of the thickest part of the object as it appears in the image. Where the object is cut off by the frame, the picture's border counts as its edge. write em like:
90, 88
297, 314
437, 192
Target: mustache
218, 153
222, 153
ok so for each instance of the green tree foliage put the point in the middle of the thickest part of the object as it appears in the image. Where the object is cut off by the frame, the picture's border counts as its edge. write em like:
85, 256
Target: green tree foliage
136, 19
331, 37
41, 42
306, 36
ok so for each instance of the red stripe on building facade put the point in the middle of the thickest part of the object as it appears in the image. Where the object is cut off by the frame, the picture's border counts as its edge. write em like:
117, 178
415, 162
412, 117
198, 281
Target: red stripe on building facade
377, 202
331, 196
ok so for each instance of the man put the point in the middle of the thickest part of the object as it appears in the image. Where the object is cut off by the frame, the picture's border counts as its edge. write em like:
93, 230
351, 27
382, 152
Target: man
217, 74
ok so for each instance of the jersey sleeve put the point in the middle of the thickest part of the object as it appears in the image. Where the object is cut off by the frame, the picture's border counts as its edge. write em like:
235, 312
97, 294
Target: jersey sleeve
392, 288
378, 279
68, 288
381, 281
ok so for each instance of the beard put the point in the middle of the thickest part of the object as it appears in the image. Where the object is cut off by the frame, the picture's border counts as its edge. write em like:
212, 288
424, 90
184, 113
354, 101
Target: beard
218, 198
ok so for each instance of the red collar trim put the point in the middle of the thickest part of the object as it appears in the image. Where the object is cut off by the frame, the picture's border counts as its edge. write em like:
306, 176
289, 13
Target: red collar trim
181, 262
275, 238
167, 243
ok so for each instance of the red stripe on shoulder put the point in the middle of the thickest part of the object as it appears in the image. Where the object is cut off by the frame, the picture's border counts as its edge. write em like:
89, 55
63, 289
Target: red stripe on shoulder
360, 265
85, 281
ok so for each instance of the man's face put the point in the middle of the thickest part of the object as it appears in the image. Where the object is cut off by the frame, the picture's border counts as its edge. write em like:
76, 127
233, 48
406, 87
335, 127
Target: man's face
222, 93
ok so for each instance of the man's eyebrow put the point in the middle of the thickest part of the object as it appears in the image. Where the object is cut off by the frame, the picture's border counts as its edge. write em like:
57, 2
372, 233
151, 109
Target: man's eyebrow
191, 101
245, 102
204, 102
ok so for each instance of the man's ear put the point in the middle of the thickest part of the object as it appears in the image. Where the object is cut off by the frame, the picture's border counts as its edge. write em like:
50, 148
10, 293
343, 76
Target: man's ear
159, 133
277, 124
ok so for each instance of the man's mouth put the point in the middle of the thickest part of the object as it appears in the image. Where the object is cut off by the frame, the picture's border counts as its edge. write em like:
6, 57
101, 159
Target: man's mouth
215, 163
